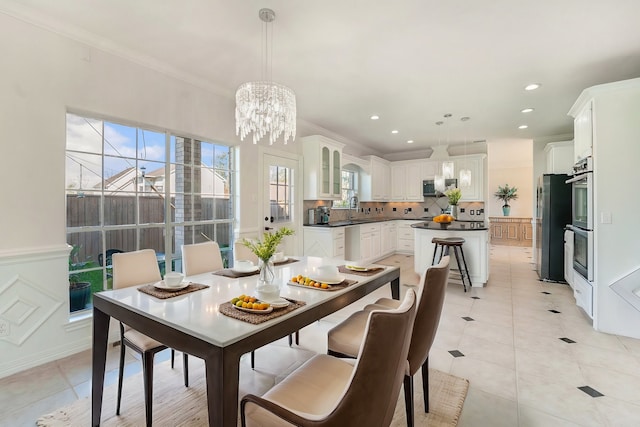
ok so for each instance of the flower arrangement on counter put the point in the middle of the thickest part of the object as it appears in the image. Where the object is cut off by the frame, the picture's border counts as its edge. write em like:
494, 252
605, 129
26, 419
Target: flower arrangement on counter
454, 195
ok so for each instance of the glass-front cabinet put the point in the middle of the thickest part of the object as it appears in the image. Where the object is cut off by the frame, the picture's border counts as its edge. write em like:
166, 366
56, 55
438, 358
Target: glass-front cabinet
322, 168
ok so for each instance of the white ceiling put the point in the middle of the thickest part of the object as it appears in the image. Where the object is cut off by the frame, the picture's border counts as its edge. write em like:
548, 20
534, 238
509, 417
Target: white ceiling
409, 61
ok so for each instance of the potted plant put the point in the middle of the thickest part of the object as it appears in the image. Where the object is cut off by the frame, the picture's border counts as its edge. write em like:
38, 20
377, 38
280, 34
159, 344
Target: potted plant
80, 282
454, 195
505, 194
264, 250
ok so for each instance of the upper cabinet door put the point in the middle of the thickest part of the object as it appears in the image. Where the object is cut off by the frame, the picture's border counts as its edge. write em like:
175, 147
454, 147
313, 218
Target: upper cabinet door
326, 171
322, 158
337, 190
583, 133
475, 163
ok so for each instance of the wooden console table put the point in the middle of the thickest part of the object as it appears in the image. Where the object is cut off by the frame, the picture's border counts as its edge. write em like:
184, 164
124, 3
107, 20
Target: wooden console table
511, 231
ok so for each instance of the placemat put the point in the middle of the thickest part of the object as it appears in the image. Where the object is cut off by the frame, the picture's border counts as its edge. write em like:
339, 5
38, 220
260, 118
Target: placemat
285, 262
345, 283
227, 272
345, 270
256, 319
162, 294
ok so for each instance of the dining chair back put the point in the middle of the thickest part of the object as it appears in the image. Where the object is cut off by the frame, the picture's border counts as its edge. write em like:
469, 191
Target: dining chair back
241, 252
344, 339
200, 258
132, 269
327, 391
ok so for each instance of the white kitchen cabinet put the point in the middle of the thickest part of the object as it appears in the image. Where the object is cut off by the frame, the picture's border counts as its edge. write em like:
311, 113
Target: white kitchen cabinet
583, 132
324, 242
431, 168
322, 168
475, 163
389, 232
405, 236
406, 181
376, 184
364, 243
559, 157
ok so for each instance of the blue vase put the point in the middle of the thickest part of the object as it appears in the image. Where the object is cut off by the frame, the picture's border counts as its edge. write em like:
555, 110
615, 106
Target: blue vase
505, 210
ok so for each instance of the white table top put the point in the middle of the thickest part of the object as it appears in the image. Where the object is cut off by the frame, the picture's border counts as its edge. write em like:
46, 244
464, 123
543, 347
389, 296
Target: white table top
197, 313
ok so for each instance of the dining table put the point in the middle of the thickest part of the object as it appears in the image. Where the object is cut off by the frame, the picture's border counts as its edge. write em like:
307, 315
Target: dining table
194, 323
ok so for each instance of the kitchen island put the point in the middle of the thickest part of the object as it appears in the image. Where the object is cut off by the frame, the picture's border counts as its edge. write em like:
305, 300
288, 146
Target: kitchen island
476, 246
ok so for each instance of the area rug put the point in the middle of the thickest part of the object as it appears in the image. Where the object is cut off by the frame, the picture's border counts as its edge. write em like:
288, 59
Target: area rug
175, 405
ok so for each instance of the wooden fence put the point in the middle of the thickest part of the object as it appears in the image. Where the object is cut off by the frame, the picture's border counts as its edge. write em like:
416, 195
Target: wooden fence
121, 210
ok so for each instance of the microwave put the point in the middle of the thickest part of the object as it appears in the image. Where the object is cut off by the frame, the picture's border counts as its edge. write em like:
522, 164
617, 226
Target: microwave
429, 187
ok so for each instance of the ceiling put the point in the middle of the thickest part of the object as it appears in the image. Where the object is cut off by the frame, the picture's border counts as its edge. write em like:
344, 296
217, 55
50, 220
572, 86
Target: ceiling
408, 61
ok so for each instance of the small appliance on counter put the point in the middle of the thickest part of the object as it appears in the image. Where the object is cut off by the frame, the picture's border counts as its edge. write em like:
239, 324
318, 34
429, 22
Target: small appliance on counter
322, 216
311, 216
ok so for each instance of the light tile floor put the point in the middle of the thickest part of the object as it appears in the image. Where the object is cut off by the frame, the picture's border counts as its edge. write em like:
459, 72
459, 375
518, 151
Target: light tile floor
521, 373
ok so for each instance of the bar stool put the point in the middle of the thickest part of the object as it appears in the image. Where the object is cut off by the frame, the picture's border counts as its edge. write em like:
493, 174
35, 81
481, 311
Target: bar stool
445, 243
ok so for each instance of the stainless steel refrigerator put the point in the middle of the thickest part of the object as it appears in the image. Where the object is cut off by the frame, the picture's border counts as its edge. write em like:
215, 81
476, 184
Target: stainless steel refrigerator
553, 214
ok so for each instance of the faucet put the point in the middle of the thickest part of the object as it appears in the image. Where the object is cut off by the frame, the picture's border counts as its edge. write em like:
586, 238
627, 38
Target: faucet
353, 203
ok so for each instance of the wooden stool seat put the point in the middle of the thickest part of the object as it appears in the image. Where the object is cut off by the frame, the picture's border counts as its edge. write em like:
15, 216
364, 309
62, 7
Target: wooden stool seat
456, 243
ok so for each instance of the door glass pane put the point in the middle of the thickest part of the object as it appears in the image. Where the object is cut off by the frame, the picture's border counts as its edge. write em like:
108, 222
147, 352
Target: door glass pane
84, 134
120, 209
82, 209
336, 172
281, 193
326, 173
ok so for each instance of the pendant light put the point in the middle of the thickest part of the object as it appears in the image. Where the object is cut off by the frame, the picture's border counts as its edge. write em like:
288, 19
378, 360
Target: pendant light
438, 180
447, 166
264, 106
465, 174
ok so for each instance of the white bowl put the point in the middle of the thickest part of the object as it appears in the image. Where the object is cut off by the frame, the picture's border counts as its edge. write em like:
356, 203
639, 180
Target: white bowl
173, 278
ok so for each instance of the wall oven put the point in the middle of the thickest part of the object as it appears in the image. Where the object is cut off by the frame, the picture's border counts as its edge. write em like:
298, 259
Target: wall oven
583, 253
582, 192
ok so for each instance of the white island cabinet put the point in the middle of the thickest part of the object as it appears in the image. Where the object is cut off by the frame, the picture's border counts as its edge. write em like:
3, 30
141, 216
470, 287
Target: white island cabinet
476, 248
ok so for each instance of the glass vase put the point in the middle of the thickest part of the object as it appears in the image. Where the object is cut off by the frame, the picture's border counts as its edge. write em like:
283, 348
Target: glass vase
268, 288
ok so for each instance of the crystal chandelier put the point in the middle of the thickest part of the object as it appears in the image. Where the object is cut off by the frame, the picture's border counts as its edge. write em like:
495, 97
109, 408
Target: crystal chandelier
265, 107
465, 174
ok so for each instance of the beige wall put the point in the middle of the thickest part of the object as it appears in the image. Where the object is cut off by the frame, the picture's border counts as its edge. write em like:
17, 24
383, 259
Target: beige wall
511, 162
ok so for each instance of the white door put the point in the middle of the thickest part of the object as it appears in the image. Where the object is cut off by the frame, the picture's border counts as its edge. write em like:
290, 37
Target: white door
282, 203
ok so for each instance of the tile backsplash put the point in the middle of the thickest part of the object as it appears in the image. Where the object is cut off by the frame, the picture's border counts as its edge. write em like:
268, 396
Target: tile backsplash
467, 211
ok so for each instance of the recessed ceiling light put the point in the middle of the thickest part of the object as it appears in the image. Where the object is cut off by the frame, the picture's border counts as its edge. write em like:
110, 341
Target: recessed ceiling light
410, 141
526, 110
374, 117
394, 131
523, 127
532, 86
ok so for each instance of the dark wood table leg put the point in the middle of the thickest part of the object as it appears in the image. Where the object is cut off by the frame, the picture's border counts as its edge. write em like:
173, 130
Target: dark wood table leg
99, 359
223, 376
395, 288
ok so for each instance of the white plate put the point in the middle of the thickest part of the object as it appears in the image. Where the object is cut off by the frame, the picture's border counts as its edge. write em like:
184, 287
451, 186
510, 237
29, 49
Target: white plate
250, 310
285, 259
308, 287
280, 303
249, 270
162, 285
358, 268
334, 281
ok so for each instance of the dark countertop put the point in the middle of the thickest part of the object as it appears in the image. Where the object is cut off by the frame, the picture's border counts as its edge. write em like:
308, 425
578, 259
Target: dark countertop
454, 226
358, 221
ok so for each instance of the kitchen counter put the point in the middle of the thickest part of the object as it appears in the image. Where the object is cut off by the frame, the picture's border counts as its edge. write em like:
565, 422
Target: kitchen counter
475, 247
454, 226
358, 221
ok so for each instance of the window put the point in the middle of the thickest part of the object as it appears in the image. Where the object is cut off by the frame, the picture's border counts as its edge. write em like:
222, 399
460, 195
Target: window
349, 188
130, 188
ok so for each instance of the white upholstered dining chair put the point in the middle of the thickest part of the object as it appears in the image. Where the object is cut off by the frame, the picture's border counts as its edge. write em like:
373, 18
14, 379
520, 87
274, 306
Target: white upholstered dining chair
200, 258
345, 338
133, 269
327, 391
